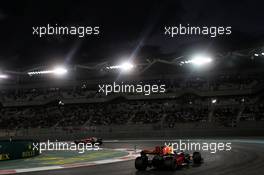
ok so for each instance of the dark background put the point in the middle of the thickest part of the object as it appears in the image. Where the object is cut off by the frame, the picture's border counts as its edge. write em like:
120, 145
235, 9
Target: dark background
127, 28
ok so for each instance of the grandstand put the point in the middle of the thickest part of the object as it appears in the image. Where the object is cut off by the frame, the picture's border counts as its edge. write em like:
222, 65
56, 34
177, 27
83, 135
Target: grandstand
217, 96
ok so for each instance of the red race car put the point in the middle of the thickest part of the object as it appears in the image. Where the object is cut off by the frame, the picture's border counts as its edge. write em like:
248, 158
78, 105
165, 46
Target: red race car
165, 158
91, 140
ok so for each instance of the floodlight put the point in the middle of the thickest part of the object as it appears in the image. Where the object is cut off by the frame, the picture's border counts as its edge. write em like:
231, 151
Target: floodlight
256, 55
60, 71
127, 66
3, 76
201, 60
56, 71
262, 53
61, 103
214, 101
39, 72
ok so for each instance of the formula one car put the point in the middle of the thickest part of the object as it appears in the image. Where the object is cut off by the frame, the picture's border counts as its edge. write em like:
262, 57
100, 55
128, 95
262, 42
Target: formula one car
165, 158
91, 140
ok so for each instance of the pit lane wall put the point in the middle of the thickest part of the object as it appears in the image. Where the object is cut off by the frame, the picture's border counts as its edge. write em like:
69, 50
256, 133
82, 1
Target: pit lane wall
181, 130
17, 149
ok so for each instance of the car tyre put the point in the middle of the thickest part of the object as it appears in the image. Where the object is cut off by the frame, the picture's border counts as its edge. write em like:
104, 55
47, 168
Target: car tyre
141, 163
170, 163
197, 158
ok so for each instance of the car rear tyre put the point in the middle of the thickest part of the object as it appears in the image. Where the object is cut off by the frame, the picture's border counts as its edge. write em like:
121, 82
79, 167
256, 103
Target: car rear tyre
169, 163
141, 163
197, 158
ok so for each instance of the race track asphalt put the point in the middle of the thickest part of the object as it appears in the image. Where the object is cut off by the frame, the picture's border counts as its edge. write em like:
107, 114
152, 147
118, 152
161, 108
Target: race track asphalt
245, 158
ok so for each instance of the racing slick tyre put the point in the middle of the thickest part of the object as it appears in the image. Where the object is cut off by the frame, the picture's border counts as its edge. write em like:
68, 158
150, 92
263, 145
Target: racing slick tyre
157, 162
141, 163
169, 163
197, 158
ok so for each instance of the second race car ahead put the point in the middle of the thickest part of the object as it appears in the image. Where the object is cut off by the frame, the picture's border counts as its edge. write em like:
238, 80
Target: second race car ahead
91, 140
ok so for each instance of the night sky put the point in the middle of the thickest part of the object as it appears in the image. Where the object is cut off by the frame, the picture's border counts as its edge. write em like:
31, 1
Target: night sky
127, 28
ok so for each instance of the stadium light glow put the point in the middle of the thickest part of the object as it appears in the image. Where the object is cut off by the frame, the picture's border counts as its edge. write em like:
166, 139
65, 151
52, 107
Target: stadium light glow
3, 76
59, 71
56, 71
126, 66
262, 53
197, 60
39, 72
200, 60
256, 55
214, 101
